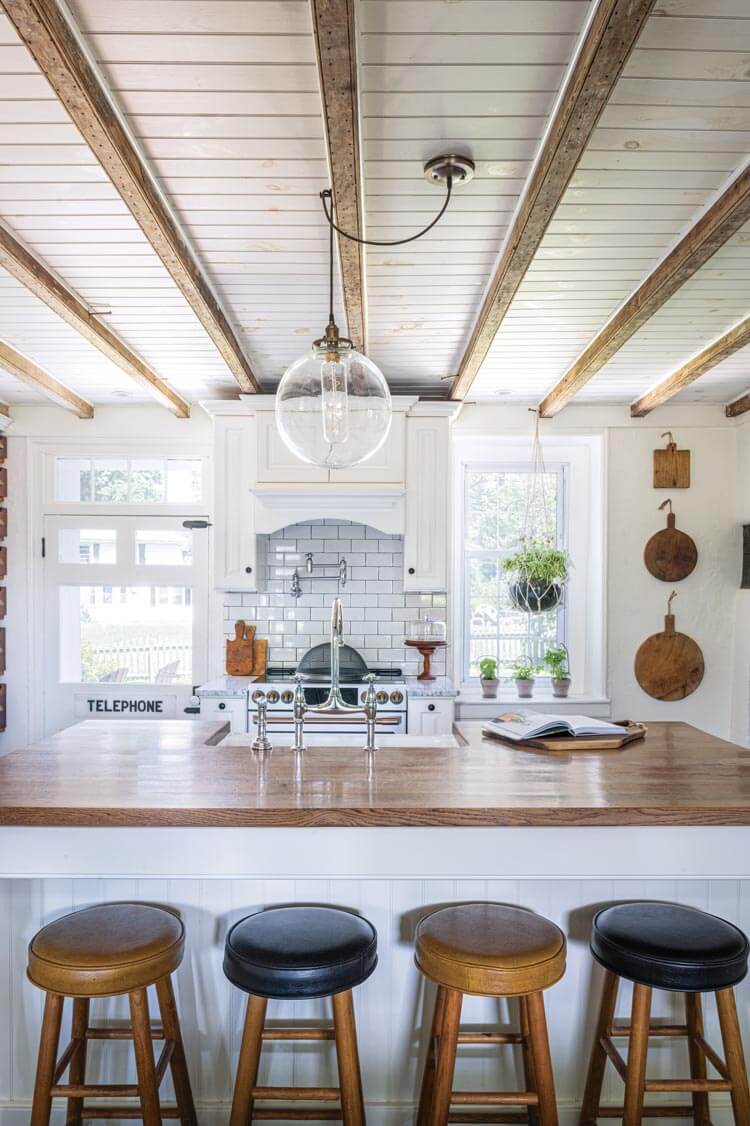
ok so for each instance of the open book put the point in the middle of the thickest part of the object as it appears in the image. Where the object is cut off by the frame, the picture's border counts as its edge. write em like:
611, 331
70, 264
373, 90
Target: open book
519, 726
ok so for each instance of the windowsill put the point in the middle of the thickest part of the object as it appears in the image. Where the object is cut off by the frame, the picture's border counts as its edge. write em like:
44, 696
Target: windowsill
472, 705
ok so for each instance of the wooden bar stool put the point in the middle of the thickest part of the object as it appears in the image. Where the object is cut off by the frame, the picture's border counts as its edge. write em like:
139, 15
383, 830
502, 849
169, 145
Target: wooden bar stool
104, 951
681, 949
296, 953
493, 951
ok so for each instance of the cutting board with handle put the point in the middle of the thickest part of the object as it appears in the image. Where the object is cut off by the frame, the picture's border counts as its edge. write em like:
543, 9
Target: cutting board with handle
670, 555
669, 665
241, 650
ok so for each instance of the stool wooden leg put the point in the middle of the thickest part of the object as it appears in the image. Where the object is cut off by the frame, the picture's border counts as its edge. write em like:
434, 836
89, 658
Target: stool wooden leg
428, 1079
446, 1057
529, 1074
733, 1055
143, 1045
178, 1064
78, 1063
350, 1079
694, 1021
247, 1067
637, 1053
41, 1107
545, 1084
598, 1062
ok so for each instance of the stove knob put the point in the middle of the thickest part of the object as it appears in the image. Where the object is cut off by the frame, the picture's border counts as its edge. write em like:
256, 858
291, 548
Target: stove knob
382, 697
363, 698
257, 696
287, 697
397, 697
273, 696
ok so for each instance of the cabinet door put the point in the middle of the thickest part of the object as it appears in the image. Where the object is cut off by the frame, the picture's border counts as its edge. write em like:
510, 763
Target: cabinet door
231, 710
234, 523
385, 467
276, 462
426, 536
430, 717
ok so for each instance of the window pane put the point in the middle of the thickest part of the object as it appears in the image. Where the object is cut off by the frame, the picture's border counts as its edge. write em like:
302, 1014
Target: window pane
184, 481
111, 481
72, 479
118, 635
87, 545
147, 484
163, 547
496, 508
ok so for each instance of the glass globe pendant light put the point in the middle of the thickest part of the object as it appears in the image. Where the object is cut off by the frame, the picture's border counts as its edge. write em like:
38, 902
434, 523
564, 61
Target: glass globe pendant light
333, 406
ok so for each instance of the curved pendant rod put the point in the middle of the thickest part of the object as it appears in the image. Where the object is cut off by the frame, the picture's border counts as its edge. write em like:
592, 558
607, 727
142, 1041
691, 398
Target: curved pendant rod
326, 195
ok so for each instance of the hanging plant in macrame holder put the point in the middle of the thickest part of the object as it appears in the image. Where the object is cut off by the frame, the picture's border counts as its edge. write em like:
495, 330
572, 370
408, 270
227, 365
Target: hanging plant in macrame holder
539, 569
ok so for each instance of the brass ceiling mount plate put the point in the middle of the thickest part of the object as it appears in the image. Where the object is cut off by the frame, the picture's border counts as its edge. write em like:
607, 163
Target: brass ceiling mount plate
459, 168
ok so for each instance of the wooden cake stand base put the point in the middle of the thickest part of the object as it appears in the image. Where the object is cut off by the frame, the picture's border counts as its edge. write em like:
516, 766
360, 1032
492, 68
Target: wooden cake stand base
426, 648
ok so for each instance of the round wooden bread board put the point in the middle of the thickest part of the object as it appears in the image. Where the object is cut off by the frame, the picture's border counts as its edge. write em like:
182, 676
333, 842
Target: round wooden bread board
669, 665
670, 555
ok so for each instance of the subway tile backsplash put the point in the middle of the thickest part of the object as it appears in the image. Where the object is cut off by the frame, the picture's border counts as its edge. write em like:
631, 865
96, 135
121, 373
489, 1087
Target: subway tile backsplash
375, 604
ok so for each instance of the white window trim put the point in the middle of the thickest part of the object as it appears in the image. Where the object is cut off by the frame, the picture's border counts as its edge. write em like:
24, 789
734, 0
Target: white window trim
584, 457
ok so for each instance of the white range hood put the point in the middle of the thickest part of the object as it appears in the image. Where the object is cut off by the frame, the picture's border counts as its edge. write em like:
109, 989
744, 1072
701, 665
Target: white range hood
379, 506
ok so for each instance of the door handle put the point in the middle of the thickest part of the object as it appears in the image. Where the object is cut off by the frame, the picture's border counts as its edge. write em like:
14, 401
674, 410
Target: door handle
192, 710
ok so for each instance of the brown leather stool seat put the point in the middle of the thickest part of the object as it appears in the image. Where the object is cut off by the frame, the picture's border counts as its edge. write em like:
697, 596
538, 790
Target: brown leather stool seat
107, 949
490, 949
102, 951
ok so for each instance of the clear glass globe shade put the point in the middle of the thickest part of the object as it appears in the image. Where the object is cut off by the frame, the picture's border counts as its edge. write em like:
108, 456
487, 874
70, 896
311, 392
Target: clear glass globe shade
333, 413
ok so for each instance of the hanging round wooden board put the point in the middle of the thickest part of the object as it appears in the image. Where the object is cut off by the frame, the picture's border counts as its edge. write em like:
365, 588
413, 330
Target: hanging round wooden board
669, 665
670, 555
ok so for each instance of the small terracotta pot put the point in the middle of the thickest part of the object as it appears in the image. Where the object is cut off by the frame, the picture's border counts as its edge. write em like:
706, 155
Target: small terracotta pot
489, 687
525, 689
561, 687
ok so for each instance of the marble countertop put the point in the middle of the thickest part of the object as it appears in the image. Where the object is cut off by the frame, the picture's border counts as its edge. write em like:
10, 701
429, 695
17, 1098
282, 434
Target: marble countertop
234, 687
441, 686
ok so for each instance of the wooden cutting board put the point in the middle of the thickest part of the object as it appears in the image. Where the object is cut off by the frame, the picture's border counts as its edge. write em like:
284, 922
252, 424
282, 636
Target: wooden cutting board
669, 665
260, 658
240, 650
670, 555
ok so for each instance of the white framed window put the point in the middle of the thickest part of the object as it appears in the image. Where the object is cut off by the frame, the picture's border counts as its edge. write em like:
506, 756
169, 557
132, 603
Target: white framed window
494, 506
490, 479
105, 477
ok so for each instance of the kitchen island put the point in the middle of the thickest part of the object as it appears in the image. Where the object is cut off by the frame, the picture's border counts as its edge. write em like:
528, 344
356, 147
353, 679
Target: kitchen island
185, 813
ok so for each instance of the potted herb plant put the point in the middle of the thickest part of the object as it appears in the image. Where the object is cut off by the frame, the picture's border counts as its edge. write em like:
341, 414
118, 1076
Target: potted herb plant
558, 666
488, 677
523, 673
539, 571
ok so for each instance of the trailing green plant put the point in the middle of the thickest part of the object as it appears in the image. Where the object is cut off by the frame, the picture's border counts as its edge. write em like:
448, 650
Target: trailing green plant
539, 562
488, 668
522, 669
556, 662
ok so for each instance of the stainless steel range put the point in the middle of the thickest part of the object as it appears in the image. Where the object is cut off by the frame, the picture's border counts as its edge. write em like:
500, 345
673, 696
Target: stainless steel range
277, 690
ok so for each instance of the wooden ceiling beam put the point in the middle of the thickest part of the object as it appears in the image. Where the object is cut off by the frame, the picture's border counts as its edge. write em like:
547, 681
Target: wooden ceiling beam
336, 50
726, 345
738, 406
24, 369
699, 243
55, 46
31, 272
609, 39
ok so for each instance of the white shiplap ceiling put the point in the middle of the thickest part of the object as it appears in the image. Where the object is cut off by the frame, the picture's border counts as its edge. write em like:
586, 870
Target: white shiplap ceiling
222, 99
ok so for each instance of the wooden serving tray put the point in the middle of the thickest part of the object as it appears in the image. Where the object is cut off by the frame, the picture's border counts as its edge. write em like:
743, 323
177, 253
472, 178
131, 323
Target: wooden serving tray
571, 744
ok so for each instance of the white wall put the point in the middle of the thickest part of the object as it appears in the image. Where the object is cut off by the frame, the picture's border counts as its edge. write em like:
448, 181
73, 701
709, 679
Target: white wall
740, 730
708, 599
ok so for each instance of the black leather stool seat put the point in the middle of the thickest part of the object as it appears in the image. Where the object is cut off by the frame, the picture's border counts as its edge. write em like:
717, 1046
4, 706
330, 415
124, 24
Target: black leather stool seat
669, 946
300, 952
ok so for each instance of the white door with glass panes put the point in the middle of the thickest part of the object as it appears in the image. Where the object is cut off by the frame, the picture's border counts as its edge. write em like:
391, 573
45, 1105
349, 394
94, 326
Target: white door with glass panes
125, 591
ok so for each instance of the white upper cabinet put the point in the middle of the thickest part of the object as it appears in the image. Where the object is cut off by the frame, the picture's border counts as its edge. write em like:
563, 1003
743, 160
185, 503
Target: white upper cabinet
427, 504
235, 444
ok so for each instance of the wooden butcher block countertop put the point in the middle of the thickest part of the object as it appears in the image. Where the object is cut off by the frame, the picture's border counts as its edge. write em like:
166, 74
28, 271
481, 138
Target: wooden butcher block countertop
183, 773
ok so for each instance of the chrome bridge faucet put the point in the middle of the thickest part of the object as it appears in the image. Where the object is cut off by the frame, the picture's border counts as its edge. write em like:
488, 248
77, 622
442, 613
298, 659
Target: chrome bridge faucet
335, 704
